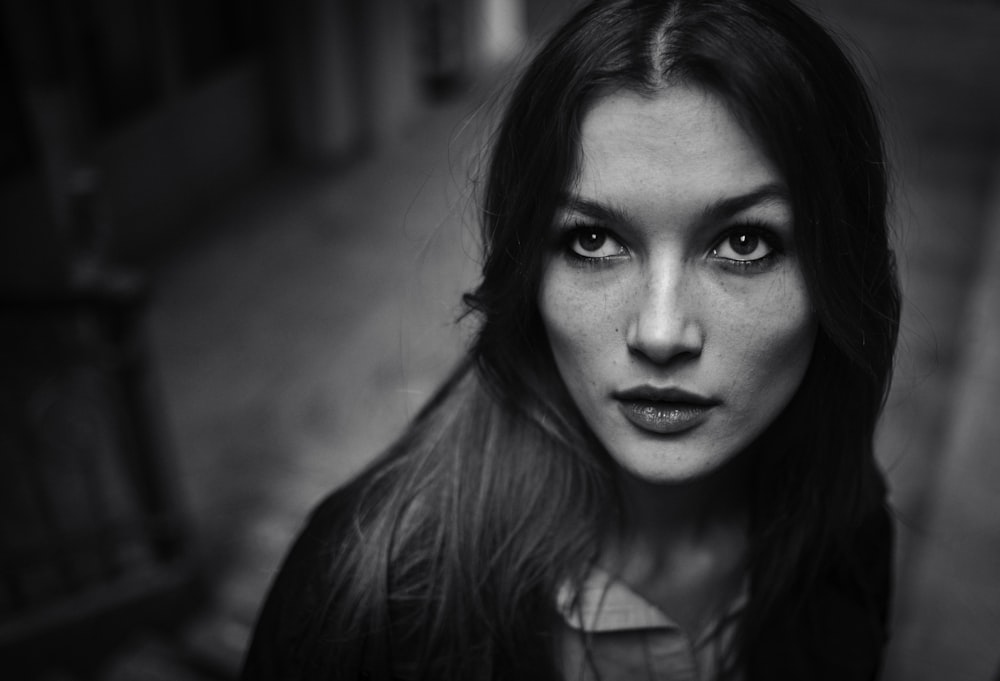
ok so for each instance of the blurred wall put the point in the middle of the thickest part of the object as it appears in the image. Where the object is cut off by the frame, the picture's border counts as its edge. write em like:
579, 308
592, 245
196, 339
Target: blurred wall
137, 109
146, 110
544, 16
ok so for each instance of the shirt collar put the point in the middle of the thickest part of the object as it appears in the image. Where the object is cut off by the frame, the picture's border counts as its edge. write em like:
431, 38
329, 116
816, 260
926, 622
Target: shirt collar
604, 603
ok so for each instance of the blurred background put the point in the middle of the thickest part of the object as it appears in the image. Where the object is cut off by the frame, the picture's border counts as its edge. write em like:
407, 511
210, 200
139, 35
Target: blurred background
233, 239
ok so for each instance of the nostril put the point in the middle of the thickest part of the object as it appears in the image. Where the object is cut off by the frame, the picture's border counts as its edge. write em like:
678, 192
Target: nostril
662, 338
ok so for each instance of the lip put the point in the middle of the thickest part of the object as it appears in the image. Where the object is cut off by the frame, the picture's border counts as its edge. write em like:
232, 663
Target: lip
664, 411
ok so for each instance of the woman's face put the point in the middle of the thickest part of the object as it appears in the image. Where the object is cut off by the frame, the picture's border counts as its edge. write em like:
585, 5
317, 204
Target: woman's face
672, 296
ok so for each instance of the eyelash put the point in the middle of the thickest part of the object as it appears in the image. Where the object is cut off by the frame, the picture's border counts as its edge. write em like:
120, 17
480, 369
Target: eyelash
758, 229
577, 230
751, 227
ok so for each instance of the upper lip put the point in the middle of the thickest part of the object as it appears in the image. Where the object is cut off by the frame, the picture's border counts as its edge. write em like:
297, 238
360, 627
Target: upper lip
649, 393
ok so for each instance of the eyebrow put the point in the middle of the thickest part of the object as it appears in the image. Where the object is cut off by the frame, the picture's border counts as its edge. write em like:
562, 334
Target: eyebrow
592, 209
721, 209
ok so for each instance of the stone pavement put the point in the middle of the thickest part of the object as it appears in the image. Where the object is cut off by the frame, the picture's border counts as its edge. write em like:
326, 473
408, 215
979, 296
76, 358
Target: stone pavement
299, 338
300, 333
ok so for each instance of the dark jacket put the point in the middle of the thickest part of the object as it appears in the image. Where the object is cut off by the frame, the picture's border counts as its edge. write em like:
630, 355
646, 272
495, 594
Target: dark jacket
840, 635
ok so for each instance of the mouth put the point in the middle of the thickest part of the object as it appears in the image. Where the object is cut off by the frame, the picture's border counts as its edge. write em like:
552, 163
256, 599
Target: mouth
664, 411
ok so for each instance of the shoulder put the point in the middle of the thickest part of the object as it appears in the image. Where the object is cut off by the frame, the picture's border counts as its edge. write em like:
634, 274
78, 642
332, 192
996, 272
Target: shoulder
288, 640
850, 609
840, 629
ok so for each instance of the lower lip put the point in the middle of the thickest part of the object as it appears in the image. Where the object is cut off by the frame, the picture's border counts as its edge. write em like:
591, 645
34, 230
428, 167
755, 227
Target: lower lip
664, 418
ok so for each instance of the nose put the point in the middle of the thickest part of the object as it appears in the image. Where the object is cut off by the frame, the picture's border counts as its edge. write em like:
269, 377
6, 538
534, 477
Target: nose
665, 322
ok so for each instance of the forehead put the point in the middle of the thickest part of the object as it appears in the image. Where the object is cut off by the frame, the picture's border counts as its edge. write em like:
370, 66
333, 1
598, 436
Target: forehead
681, 144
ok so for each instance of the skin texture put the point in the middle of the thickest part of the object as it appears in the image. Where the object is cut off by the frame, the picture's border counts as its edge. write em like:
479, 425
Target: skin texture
647, 283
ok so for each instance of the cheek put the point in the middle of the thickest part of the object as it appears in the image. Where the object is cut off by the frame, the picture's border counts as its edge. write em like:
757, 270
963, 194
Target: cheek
771, 342
577, 322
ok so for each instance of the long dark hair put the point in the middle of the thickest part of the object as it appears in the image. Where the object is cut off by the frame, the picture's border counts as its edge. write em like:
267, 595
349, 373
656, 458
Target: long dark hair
462, 532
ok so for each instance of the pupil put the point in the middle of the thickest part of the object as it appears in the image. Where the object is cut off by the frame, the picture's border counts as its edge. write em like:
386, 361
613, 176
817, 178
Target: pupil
591, 241
743, 244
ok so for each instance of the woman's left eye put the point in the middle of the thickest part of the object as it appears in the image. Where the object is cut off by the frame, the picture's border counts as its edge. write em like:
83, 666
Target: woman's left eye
593, 243
743, 245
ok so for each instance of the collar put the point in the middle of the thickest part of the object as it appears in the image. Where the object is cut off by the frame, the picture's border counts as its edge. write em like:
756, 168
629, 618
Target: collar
604, 603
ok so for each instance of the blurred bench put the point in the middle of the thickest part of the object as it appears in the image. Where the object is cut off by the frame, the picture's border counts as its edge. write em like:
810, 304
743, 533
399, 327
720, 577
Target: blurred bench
94, 544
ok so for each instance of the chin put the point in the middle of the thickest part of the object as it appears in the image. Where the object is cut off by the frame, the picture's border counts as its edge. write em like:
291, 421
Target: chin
666, 467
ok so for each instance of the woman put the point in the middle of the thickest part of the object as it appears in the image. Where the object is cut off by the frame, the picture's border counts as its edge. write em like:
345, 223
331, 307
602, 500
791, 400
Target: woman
656, 461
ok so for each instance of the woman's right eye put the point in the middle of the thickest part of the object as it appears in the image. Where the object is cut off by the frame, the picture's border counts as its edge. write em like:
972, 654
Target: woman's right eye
593, 243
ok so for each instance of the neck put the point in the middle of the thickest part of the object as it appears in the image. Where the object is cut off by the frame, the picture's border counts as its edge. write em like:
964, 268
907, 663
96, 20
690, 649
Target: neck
682, 546
660, 521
